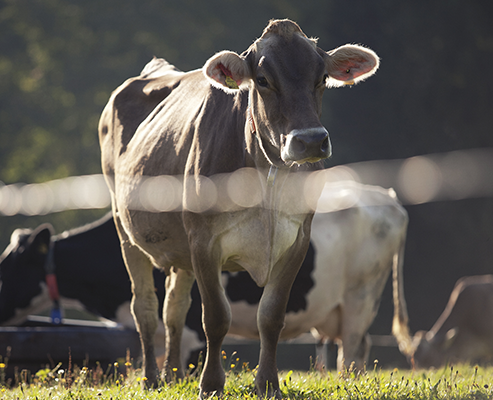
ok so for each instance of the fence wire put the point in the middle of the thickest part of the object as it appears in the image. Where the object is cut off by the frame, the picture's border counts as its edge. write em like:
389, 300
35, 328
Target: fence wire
416, 180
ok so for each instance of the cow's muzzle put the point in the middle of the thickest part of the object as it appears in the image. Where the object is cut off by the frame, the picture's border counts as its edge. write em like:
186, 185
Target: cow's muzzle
306, 145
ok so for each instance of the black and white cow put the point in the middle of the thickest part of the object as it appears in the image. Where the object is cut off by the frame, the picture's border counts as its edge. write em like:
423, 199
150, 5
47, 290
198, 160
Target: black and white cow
90, 275
335, 295
87, 263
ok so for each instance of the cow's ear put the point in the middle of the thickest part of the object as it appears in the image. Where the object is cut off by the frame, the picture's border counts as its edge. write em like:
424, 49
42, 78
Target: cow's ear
350, 64
450, 337
39, 241
227, 70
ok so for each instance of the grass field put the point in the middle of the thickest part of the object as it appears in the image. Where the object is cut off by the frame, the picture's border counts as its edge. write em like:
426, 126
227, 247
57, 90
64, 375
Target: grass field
123, 382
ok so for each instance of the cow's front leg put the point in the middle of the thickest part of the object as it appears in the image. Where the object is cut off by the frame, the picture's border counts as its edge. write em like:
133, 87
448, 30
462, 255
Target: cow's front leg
270, 321
144, 305
176, 304
216, 320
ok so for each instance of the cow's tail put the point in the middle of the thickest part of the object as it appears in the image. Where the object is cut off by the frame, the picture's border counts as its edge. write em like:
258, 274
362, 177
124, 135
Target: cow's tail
400, 324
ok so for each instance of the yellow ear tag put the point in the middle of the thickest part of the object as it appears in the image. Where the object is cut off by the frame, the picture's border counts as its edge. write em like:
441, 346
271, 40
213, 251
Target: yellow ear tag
351, 82
231, 83
43, 248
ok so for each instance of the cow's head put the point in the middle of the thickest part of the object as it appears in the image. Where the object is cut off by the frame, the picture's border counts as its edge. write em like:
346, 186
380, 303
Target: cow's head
286, 74
431, 350
22, 270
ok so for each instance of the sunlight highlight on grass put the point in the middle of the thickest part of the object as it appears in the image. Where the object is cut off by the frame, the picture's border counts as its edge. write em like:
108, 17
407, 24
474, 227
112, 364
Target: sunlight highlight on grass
456, 382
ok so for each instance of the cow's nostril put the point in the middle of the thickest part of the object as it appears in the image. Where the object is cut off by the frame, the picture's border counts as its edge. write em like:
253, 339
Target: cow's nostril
325, 145
298, 145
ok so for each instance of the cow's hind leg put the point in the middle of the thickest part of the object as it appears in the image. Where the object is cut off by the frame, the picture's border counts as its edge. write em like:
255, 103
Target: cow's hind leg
354, 351
144, 305
176, 304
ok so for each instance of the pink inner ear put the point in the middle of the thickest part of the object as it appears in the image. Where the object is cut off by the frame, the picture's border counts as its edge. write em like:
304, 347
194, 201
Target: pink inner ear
352, 69
225, 70
228, 73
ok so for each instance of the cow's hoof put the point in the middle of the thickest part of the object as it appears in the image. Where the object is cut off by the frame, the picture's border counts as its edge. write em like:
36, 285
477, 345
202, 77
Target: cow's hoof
205, 395
270, 394
268, 390
147, 383
150, 381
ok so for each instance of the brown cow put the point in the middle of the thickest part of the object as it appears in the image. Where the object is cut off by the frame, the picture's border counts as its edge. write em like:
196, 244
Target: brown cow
464, 331
260, 110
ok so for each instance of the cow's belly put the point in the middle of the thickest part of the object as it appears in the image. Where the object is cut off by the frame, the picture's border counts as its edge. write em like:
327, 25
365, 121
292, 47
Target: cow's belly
325, 318
322, 312
252, 239
161, 236
255, 240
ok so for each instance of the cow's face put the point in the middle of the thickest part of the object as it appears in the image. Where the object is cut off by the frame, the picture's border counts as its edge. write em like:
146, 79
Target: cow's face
428, 352
286, 74
22, 270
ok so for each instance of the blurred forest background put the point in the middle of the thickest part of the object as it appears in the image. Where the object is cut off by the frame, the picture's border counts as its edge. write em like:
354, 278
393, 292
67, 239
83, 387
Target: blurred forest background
60, 60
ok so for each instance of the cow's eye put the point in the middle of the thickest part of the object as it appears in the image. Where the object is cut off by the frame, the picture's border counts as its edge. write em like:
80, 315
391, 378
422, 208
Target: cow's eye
323, 81
262, 81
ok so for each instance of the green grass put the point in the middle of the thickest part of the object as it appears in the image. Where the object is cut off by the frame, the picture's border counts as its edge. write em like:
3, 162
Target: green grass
456, 382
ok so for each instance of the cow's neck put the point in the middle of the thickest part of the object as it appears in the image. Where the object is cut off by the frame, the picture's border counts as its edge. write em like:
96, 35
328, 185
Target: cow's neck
271, 176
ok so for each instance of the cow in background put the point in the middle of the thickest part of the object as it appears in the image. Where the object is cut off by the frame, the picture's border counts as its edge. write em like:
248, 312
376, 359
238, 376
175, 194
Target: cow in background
464, 331
353, 252
90, 274
84, 260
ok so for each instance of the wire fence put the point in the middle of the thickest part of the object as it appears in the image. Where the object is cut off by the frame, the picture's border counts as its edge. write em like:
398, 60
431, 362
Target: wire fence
417, 180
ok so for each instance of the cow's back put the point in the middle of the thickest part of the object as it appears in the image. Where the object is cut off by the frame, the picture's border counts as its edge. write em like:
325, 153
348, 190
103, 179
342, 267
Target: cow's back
158, 116
130, 104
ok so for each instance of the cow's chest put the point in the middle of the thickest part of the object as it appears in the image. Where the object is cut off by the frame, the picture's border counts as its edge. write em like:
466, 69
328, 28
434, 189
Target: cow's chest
254, 240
